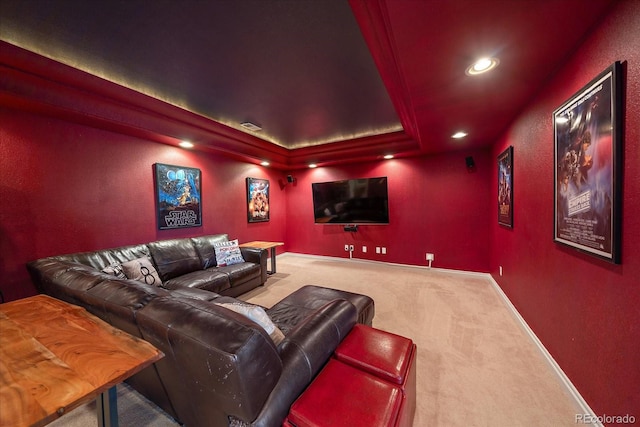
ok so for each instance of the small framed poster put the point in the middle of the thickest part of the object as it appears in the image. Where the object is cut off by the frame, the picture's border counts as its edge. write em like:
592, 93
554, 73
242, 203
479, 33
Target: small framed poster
178, 196
505, 188
258, 205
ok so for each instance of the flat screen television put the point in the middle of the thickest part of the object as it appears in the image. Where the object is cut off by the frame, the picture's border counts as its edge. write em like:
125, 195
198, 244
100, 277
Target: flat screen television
351, 201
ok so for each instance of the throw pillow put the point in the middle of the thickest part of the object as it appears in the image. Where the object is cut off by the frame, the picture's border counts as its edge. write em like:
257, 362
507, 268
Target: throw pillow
115, 269
228, 253
142, 270
258, 315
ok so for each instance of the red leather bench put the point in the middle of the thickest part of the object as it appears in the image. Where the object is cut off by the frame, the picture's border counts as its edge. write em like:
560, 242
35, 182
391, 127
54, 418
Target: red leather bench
370, 381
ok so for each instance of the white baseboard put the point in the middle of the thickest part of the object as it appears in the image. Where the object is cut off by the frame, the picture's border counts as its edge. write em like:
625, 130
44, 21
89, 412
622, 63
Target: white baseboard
364, 260
583, 406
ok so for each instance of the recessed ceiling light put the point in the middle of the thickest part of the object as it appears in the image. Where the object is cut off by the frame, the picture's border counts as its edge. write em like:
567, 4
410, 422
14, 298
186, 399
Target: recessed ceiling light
313, 165
459, 135
264, 163
482, 65
185, 144
251, 126
388, 156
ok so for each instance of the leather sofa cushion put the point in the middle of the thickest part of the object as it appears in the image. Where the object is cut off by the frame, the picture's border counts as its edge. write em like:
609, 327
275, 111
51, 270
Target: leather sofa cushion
241, 273
205, 249
211, 280
174, 257
195, 293
291, 309
216, 279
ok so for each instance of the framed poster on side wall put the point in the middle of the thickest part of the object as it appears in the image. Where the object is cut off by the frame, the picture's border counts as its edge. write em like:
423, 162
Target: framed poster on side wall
587, 162
178, 196
505, 188
257, 200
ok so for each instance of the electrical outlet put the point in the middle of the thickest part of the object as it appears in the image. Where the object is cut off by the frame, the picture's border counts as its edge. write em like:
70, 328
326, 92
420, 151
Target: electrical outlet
346, 248
351, 248
430, 257
377, 249
364, 249
500, 270
384, 250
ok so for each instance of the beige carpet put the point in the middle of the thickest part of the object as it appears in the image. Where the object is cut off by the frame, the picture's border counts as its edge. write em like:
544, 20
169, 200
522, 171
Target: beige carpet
476, 364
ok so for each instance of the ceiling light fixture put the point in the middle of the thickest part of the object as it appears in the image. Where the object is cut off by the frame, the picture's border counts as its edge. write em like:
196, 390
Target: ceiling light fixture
264, 163
251, 126
185, 144
459, 135
481, 66
313, 165
388, 156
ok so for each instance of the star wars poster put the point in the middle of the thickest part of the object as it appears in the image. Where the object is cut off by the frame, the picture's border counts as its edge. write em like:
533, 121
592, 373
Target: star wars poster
257, 200
505, 188
587, 176
177, 196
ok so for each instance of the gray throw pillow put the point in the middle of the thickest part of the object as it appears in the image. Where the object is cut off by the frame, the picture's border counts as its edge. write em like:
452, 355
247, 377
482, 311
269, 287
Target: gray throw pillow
259, 316
115, 269
142, 270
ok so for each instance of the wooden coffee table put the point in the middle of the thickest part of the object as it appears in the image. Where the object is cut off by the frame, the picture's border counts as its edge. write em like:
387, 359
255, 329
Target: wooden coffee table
265, 245
55, 356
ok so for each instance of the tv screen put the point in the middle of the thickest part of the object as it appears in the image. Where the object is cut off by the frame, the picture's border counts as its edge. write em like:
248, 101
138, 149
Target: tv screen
351, 201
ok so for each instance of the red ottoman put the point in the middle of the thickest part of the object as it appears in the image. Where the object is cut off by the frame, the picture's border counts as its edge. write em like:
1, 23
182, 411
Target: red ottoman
342, 395
388, 356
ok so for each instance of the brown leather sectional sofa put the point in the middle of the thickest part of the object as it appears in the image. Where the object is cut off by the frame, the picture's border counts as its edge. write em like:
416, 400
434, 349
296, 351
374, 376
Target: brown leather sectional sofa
220, 368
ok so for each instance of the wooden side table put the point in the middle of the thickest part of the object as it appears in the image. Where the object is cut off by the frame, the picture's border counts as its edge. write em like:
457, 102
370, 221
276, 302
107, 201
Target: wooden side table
265, 245
55, 356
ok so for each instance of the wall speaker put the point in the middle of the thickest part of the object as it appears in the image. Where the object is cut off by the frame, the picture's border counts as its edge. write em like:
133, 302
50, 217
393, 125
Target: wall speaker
470, 163
290, 178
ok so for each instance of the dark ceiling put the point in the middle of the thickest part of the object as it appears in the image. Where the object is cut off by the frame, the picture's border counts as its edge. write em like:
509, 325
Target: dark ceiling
375, 75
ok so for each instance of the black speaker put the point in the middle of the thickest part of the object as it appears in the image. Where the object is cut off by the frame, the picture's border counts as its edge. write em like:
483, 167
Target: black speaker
470, 163
289, 178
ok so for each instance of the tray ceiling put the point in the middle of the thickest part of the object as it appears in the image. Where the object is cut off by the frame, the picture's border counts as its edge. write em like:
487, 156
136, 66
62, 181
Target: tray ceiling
316, 72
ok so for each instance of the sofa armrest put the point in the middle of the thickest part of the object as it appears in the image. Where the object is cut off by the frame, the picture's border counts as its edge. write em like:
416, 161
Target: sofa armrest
217, 362
256, 256
304, 351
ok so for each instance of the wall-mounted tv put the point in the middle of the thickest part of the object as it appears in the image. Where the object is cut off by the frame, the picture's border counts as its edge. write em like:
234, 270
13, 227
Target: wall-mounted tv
351, 201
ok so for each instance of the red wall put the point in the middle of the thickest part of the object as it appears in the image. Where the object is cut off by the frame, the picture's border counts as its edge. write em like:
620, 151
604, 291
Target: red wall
585, 311
67, 188
435, 205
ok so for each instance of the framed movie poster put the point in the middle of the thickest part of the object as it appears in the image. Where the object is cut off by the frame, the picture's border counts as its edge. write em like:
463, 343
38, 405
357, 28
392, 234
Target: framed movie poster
588, 154
178, 196
505, 188
257, 200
